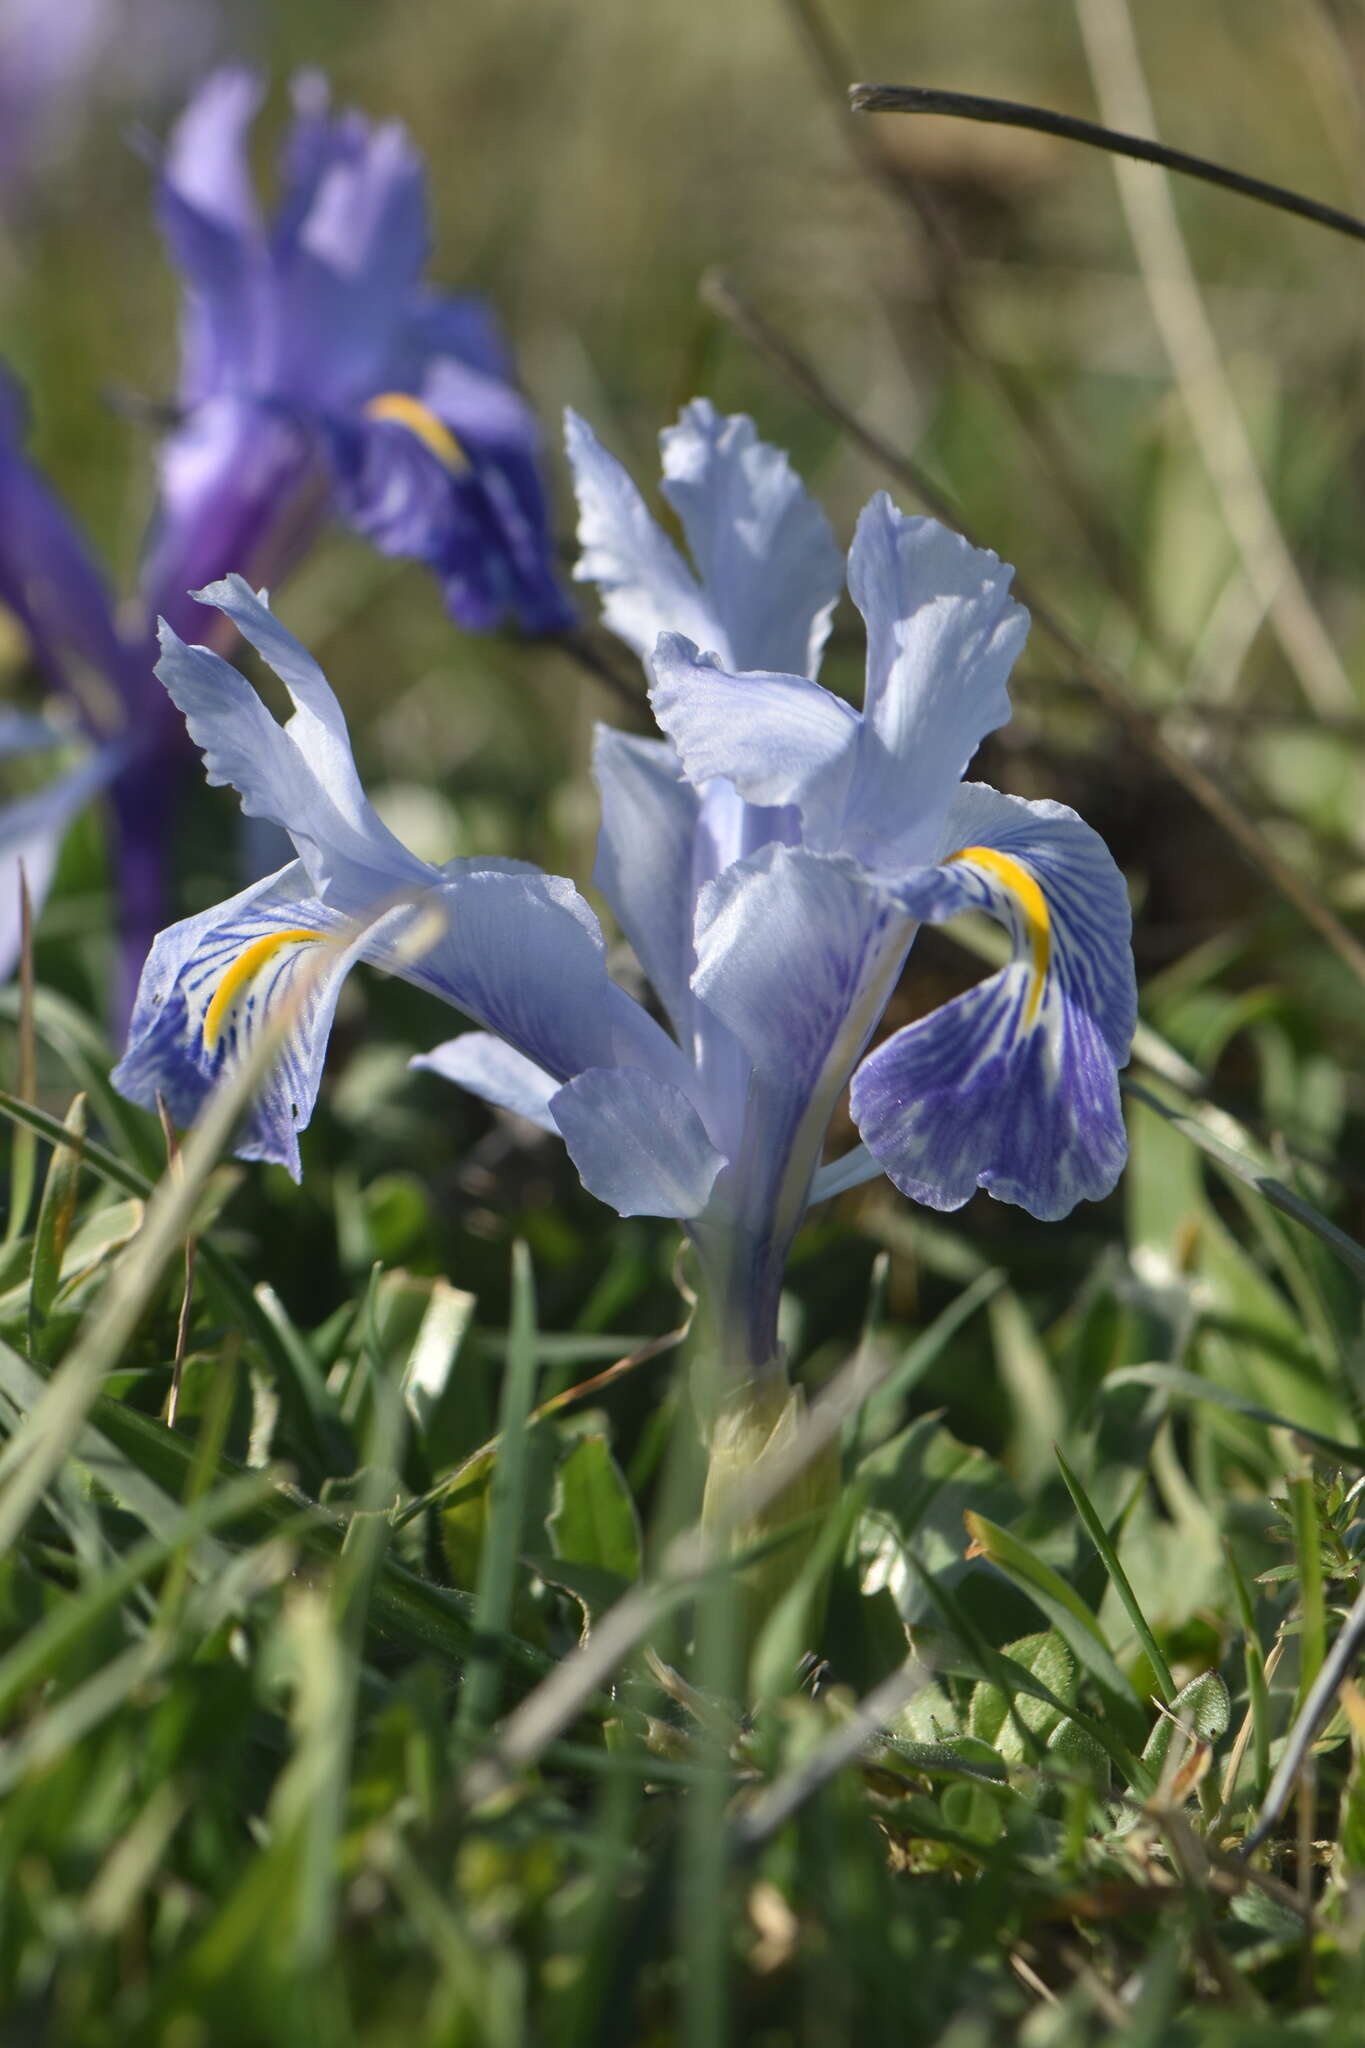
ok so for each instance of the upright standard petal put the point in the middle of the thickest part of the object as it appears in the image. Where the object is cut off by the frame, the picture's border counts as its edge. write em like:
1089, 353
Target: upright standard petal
942, 636
1013, 1087
762, 547
301, 775
769, 572
646, 586
208, 216
645, 859
347, 250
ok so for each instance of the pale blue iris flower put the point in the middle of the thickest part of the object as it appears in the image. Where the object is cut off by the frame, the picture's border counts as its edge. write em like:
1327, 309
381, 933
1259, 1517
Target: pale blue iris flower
769, 862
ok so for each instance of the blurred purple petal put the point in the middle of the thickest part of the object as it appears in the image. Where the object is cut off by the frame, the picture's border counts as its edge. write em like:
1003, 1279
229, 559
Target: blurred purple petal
31, 832
48, 579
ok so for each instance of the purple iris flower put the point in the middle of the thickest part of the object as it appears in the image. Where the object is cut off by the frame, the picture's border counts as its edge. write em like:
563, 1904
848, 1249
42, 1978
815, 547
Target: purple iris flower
319, 376
770, 863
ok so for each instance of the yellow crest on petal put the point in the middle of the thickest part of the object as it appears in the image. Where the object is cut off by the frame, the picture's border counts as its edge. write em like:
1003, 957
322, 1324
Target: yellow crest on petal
1031, 904
403, 410
243, 970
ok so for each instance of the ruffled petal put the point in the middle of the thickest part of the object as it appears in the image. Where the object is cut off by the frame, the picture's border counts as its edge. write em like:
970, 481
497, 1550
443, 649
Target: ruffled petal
778, 738
638, 1142
207, 214
207, 990
646, 587
762, 547
488, 1068
645, 859
1013, 1087
206, 154
942, 636
347, 250
301, 775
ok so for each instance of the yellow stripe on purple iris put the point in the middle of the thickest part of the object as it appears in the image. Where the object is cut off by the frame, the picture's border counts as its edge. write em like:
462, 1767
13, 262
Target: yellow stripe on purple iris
1031, 904
403, 410
242, 972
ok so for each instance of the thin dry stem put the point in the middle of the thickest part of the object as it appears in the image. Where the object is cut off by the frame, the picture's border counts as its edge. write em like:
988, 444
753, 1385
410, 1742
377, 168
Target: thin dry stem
1191, 346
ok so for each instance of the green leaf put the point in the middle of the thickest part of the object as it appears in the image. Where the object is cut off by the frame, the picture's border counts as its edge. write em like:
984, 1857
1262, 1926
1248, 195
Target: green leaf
1099, 1536
1077, 1751
995, 1716
1202, 1706
1253, 1174
1030, 1383
56, 1213
505, 1535
593, 1519
1061, 1603
1190, 1387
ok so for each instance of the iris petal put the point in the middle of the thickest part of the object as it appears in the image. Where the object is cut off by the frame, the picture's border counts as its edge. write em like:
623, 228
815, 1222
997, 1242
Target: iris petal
300, 776
210, 984
638, 1142
31, 832
489, 1068
779, 738
762, 547
646, 586
1013, 1087
644, 859
942, 636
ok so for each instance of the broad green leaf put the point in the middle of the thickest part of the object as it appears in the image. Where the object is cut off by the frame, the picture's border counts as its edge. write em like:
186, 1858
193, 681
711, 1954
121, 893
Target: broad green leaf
1202, 1706
593, 1520
994, 1717
1059, 1602
919, 1485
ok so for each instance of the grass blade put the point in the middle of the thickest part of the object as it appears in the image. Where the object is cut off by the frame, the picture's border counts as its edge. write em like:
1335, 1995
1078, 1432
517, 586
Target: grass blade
1109, 1557
1253, 1175
1190, 1387
1312, 1605
507, 1500
56, 1212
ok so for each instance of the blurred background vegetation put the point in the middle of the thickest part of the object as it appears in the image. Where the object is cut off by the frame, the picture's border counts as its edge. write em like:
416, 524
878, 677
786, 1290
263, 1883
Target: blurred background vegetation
973, 295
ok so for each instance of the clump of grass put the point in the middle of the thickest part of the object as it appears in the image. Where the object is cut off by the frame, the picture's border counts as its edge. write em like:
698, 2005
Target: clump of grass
251, 1663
